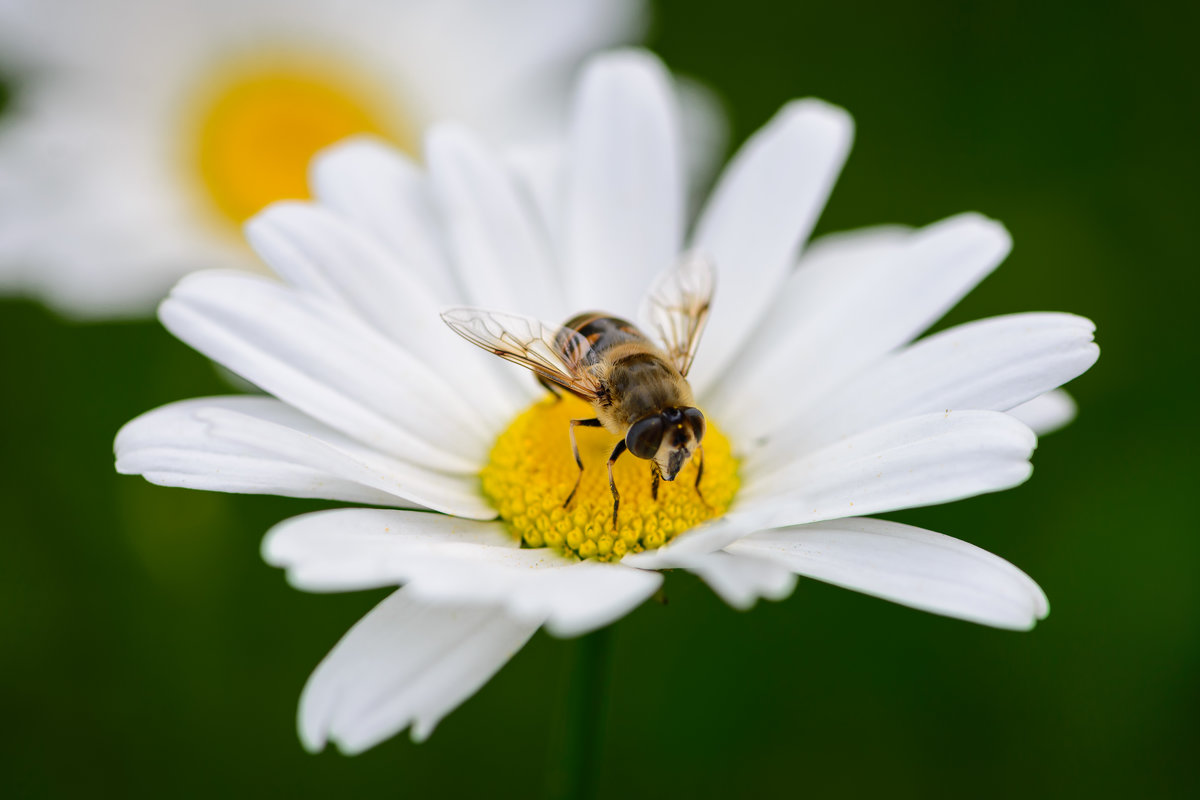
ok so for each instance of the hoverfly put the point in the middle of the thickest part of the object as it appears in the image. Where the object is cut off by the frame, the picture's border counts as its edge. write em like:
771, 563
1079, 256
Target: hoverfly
638, 390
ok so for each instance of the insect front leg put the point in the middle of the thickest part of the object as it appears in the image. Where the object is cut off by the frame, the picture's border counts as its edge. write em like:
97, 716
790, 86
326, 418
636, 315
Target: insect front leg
587, 423
700, 472
616, 453
654, 481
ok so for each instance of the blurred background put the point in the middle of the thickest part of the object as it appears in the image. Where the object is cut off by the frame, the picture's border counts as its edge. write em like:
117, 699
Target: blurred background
146, 649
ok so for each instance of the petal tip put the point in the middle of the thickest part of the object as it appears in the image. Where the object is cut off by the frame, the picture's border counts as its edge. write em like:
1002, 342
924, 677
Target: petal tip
269, 550
274, 221
311, 741
421, 729
312, 733
813, 111
624, 61
1041, 603
350, 149
980, 229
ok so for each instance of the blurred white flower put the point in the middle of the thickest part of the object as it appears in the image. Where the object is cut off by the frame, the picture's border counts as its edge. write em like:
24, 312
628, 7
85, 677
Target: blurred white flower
822, 408
142, 134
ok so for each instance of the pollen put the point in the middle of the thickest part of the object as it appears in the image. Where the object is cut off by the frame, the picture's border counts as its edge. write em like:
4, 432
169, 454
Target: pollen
253, 127
531, 470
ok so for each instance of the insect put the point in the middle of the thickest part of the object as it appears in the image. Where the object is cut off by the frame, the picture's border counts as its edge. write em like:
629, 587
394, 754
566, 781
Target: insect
638, 390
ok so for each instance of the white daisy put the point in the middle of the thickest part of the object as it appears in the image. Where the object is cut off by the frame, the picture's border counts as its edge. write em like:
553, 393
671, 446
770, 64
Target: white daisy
821, 408
143, 134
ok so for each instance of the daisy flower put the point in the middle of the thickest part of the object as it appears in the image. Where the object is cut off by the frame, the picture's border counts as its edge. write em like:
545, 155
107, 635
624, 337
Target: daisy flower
143, 135
821, 408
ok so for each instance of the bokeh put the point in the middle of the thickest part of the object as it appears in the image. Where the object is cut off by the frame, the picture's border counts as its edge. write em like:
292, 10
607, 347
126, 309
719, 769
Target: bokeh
145, 649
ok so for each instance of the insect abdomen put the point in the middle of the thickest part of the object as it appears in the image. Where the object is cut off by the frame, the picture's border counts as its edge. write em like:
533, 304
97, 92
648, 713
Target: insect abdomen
603, 332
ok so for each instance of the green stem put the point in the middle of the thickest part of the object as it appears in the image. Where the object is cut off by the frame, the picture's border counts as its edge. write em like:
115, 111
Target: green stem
587, 703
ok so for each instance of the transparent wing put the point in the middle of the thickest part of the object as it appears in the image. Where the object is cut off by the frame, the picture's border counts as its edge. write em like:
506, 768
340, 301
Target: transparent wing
557, 354
677, 307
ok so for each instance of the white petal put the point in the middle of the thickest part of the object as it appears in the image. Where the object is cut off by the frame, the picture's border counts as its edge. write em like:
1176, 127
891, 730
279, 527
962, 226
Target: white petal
508, 64
992, 364
259, 445
319, 252
446, 560
705, 130
322, 254
950, 445
831, 267
867, 309
328, 364
501, 255
1047, 413
539, 166
915, 462
406, 662
381, 189
624, 183
740, 581
538, 170
760, 214
686, 550
906, 565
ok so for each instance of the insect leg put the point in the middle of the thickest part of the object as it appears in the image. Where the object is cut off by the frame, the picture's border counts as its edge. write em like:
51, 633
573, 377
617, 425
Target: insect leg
551, 387
587, 423
616, 453
654, 483
700, 472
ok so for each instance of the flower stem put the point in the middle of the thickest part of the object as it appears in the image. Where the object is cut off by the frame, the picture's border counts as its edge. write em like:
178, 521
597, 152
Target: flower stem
587, 703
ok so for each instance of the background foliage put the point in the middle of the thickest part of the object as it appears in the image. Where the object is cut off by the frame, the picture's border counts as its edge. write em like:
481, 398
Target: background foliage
146, 649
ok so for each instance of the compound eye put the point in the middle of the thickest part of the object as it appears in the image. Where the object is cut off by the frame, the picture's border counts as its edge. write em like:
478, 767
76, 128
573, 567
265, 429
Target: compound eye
696, 419
644, 437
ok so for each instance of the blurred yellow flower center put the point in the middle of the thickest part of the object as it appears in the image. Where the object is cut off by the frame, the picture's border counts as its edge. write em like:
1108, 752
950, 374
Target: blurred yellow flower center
530, 473
255, 127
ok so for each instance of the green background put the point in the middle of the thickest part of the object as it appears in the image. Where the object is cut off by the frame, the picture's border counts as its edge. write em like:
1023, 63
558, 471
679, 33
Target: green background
146, 650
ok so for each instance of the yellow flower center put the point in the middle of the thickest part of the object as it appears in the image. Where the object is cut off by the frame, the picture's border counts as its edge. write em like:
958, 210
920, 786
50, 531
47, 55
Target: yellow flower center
255, 125
530, 473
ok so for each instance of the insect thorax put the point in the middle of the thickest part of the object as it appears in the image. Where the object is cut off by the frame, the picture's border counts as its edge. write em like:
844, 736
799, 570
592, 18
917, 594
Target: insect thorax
641, 383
